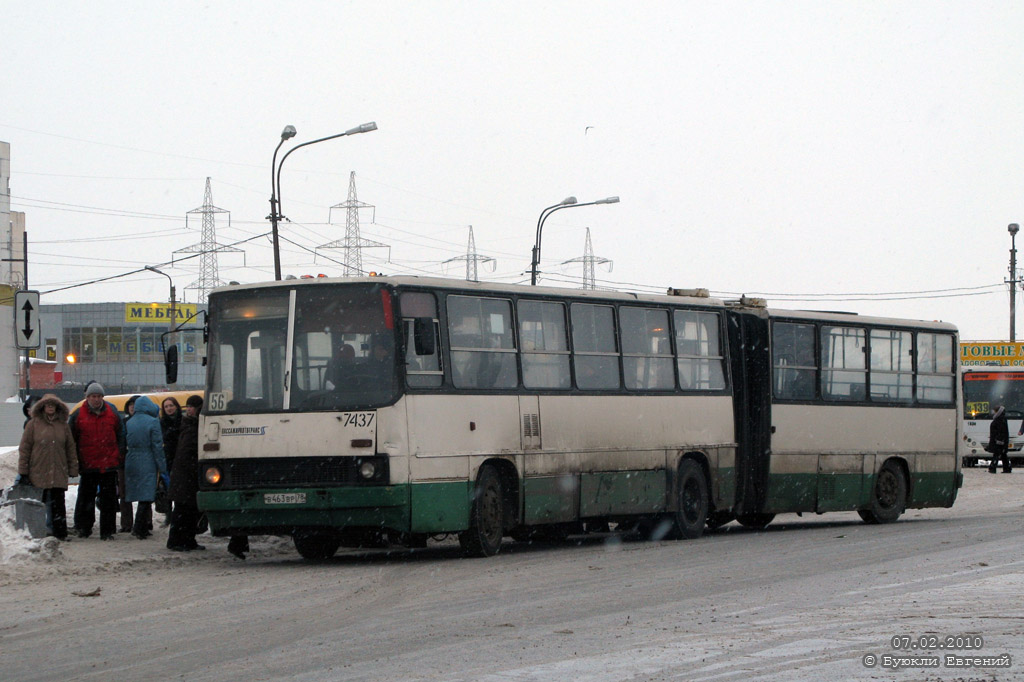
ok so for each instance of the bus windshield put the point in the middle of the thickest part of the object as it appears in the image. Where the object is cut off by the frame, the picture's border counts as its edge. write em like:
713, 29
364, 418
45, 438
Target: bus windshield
984, 390
342, 354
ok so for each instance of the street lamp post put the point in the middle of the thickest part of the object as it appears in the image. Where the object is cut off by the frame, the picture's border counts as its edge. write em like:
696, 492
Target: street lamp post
568, 202
276, 211
286, 134
1013, 228
174, 319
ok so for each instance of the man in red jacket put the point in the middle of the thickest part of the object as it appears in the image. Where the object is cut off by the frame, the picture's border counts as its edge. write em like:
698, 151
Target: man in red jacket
99, 434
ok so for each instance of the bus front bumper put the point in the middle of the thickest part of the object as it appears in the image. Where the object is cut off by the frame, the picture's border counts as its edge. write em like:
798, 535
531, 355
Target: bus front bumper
281, 511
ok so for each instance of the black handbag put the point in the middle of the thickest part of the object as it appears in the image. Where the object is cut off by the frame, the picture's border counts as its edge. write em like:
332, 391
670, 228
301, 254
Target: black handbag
162, 504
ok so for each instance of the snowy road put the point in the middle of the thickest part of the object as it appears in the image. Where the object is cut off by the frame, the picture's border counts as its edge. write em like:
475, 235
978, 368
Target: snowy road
806, 599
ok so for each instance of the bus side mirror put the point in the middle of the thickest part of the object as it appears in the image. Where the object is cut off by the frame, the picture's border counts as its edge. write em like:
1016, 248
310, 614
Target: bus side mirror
423, 336
171, 364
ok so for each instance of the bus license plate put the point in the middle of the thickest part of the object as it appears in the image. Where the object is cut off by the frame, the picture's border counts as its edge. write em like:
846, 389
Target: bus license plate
284, 498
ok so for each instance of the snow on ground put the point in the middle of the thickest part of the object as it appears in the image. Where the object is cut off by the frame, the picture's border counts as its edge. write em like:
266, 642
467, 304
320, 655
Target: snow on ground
24, 558
18, 546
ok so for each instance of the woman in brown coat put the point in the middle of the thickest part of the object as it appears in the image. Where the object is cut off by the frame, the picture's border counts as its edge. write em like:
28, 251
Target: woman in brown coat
47, 457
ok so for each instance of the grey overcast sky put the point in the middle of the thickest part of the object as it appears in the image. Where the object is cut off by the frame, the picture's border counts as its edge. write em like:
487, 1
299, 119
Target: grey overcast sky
859, 156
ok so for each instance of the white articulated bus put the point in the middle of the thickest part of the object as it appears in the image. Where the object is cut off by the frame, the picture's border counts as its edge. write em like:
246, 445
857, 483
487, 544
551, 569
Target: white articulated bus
403, 408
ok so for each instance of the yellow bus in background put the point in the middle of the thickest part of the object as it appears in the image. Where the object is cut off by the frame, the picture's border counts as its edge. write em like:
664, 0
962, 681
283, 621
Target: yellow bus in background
119, 400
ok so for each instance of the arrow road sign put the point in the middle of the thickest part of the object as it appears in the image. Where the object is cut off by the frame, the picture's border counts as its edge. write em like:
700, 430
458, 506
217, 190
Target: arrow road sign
26, 319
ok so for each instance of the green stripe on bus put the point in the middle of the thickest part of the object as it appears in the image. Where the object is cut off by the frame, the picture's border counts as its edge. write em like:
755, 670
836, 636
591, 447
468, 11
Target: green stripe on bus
622, 492
848, 492
382, 507
441, 507
551, 499
933, 489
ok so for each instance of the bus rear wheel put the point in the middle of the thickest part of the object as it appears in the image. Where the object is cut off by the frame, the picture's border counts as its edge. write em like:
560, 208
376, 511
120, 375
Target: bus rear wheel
692, 511
316, 545
486, 516
889, 498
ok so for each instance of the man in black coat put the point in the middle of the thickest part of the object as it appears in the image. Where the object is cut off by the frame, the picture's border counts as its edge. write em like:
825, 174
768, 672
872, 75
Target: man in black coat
999, 440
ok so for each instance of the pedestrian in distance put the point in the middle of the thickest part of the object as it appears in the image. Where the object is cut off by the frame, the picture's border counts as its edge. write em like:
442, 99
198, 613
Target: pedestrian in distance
143, 463
99, 436
999, 440
124, 506
185, 481
47, 458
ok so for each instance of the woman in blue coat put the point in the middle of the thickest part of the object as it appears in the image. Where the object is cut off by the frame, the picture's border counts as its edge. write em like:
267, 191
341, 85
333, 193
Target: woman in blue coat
143, 463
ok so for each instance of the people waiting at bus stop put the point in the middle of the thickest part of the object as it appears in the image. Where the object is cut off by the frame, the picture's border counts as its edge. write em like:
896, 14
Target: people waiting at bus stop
185, 481
99, 437
143, 464
47, 458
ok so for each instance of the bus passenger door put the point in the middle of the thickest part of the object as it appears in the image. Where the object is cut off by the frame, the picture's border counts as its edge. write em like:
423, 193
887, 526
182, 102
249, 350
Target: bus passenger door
751, 385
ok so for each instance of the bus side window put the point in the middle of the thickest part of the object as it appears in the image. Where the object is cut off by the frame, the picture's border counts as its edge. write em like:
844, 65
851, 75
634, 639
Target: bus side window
421, 329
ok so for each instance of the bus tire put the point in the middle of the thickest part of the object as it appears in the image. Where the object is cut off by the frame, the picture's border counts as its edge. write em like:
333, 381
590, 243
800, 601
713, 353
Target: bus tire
755, 521
691, 514
316, 546
889, 497
486, 516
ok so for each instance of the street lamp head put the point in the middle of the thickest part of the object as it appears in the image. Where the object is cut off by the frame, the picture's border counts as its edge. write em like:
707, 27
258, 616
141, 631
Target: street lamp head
568, 201
288, 132
609, 200
365, 128
1013, 228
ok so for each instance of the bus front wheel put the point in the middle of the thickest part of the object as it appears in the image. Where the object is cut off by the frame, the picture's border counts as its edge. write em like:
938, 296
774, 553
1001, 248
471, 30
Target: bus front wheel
486, 516
889, 498
692, 513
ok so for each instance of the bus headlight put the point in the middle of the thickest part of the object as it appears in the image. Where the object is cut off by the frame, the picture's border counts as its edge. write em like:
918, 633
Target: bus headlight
212, 475
367, 470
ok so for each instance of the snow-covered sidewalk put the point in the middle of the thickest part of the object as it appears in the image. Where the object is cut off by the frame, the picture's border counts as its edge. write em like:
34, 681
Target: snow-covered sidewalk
25, 558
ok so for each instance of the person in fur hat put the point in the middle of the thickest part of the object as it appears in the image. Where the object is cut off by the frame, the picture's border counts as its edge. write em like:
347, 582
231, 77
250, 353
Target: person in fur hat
47, 457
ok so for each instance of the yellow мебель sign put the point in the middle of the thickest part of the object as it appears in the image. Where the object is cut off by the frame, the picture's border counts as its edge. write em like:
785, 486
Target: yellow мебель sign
158, 312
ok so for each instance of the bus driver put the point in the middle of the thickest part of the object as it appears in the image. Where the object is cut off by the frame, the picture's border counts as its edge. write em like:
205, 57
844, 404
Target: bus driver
340, 368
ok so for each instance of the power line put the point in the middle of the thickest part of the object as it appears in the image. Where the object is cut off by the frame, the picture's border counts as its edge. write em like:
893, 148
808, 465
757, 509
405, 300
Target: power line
143, 269
98, 210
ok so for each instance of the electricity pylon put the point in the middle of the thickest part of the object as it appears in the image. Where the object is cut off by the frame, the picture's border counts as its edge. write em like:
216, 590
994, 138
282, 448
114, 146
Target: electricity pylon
472, 258
589, 261
352, 244
208, 248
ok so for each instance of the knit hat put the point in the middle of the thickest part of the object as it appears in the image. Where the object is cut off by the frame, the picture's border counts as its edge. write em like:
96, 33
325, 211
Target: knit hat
94, 387
194, 401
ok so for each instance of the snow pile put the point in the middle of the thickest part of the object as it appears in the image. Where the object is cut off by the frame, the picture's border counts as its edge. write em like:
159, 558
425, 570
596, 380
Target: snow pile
8, 465
18, 545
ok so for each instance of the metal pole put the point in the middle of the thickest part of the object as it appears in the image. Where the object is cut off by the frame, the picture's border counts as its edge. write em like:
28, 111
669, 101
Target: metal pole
273, 207
276, 210
568, 202
28, 362
1013, 228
